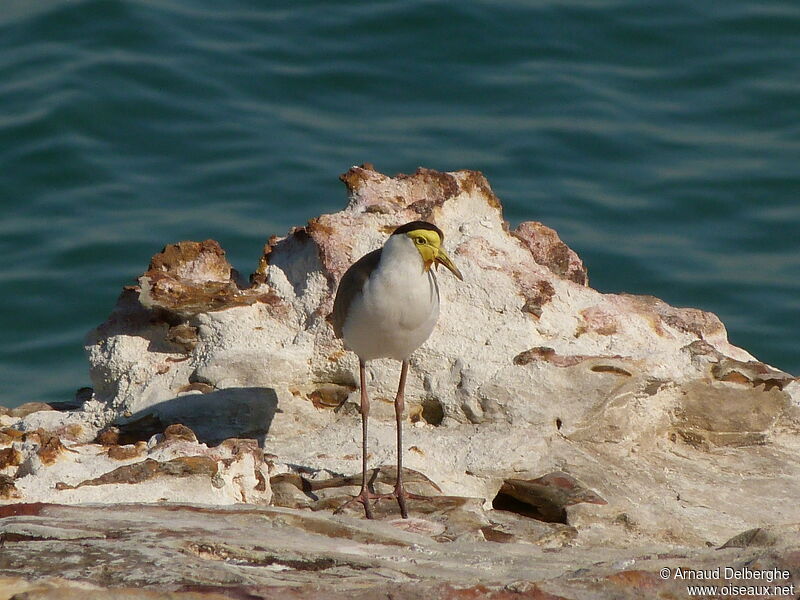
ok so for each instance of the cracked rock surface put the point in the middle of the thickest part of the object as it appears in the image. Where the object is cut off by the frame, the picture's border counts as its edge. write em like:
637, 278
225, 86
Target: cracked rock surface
189, 551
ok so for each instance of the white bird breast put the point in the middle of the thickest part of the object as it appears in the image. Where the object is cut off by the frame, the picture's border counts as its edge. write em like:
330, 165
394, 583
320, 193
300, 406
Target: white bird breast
398, 306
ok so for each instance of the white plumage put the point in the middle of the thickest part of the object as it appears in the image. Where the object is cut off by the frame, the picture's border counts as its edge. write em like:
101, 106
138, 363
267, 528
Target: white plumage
398, 305
386, 306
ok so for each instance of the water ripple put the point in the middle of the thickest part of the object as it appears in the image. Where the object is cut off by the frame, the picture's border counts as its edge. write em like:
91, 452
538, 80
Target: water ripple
661, 140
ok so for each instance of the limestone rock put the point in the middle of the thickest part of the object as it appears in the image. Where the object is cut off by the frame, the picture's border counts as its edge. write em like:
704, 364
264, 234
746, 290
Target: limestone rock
187, 278
135, 551
531, 376
39, 467
524, 289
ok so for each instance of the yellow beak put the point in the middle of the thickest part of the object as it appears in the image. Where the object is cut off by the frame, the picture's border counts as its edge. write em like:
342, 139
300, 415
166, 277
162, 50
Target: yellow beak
443, 259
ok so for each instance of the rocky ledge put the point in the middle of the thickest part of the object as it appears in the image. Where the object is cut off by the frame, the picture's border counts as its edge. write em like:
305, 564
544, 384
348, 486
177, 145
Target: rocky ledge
570, 444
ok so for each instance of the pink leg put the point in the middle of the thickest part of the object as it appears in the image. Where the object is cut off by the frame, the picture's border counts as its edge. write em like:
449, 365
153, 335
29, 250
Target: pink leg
399, 491
399, 405
364, 495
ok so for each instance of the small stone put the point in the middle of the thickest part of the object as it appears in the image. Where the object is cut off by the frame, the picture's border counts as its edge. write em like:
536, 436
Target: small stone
108, 436
124, 452
8, 491
9, 435
183, 335
10, 457
330, 395
49, 445
179, 432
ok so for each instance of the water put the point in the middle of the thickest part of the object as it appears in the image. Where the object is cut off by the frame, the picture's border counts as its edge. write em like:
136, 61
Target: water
661, 139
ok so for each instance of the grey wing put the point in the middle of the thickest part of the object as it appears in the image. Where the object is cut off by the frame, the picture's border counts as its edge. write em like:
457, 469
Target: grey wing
351, 284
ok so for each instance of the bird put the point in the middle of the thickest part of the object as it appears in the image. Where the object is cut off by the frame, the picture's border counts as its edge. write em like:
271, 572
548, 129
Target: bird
386, 306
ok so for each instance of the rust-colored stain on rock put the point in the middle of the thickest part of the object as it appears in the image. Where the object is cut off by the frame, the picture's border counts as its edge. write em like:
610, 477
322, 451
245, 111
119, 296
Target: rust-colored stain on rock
10, 457
23, 410
422, 192
481, 592
24, 509
189, 278
8, 491
108, 436
179, 432
612, 369
637, 579
50, 446
752, 373
9, 435
549, 355
537, 296
124, 452
184, 466
197, 261
596, 320
549, 251
472, 181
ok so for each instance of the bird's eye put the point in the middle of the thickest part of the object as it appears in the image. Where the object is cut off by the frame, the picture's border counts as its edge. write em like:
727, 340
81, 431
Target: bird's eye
420, 240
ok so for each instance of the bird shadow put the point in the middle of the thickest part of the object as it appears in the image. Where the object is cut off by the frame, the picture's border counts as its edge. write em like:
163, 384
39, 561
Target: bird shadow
213, 417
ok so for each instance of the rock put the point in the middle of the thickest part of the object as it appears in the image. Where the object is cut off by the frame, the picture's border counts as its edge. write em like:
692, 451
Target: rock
330, 395
183, 466
9, 435
23, 410
507, 528
126, 452
79, 425
40, 467
179, 432
215, 339
724, 414
203, 552
49, 446
548, 250
188, 278
752, 538
8, 491
545, 497
108, 436
625, 427
294, 490
10, 457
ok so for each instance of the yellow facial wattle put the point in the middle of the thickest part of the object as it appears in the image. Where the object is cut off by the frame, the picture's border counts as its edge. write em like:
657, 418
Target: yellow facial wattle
429, 245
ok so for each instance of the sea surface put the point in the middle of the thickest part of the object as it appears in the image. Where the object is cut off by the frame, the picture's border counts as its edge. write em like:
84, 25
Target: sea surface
661, 140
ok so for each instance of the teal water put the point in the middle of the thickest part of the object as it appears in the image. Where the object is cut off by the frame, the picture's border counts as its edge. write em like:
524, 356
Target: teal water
661, 139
